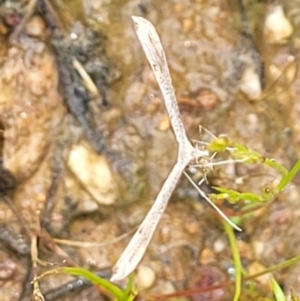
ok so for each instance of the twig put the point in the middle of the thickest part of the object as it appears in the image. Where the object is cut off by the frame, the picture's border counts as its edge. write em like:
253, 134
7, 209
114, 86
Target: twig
86, 78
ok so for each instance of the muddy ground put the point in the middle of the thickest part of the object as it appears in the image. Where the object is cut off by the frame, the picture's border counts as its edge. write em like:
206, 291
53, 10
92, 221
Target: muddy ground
82, 163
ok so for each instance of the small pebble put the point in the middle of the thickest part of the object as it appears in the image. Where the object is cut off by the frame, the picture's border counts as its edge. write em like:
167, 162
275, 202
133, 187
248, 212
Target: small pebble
207, 256
5, 273
7, 267
166, 287
192, 226
164, 124
277, 27
187, 25
94, 173
219, 245
250, 84
207, 99
179, 7
35, 27
145, 277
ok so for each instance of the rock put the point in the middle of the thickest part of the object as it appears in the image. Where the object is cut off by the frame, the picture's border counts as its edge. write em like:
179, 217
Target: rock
207, 99
250, 84
219, 245
35, 27
145, 277
164, 124
166, 287
93, 171
277, 27
207, 256
258, 248
31, 108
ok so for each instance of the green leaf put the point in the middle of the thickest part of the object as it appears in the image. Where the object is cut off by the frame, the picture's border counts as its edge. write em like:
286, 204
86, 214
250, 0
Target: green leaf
108, 286
278, 293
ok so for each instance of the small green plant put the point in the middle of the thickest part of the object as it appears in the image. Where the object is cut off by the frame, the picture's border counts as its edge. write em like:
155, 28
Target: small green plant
108, 288
113, 290
241, 153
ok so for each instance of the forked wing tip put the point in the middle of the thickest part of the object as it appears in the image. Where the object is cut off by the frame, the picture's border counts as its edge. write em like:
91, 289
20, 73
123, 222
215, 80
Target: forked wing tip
135, 18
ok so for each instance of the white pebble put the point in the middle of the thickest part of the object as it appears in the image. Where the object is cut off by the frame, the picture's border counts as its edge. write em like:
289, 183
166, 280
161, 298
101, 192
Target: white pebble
145, 277
166, 287
277, 27
93, 171
219, 245
250, 84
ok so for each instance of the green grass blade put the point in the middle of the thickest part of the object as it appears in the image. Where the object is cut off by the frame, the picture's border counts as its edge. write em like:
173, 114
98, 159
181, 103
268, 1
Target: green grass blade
236, 260
234, 196
278, 293
108, 286
273, 164
288, 177
276, 267
130, 290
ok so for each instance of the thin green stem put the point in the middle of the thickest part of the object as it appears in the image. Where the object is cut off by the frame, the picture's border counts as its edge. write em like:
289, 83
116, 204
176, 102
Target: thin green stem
288, 177
275, 268
236, 260
111, 288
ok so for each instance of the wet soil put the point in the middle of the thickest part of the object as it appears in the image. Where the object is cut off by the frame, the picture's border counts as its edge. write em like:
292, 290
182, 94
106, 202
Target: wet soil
85, 167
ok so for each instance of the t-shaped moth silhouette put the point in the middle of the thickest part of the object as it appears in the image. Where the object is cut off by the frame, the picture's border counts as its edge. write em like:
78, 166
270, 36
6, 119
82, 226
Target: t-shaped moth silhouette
186, 153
